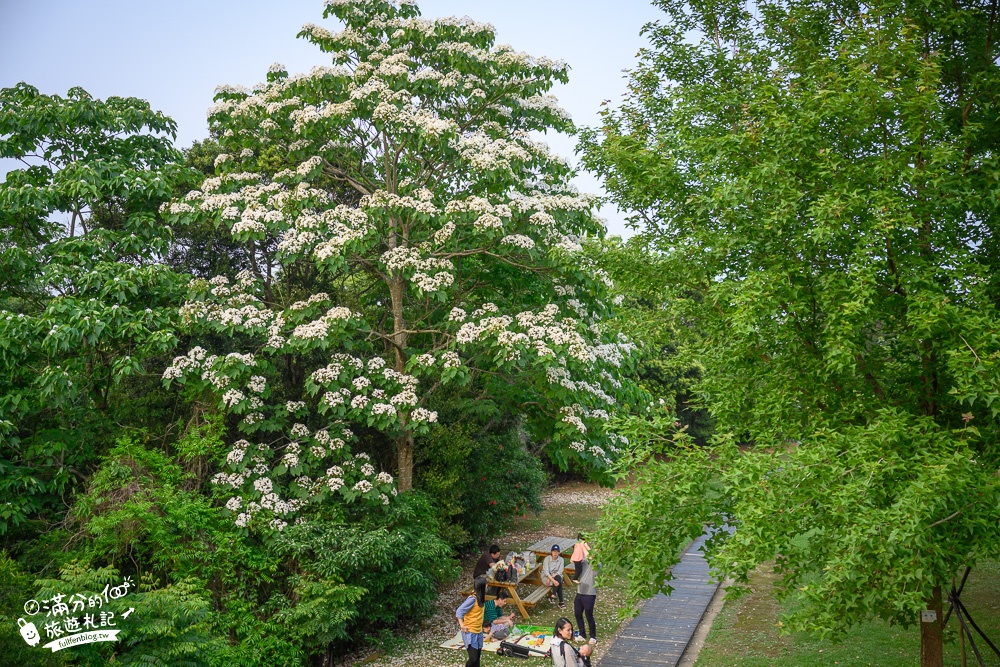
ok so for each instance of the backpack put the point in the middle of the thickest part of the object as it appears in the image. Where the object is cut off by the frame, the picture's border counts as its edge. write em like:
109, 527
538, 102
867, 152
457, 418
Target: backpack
505, 572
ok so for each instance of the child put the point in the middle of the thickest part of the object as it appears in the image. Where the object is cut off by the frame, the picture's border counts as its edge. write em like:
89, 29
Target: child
470, 620
581, 552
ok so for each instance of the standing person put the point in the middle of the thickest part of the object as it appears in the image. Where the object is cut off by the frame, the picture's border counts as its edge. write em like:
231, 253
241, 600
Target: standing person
470, 620
552, 573
486, 561
565, 654
581, 552
499, 625
586, 596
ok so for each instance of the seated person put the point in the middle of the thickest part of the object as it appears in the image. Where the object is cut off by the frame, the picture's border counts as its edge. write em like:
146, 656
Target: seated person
486, 561
496, 625
552, 574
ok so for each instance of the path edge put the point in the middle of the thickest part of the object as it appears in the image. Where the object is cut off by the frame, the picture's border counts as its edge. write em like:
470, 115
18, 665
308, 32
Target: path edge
691, 652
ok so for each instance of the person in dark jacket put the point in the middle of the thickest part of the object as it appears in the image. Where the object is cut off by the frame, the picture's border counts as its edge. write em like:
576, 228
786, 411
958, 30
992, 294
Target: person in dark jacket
486, 561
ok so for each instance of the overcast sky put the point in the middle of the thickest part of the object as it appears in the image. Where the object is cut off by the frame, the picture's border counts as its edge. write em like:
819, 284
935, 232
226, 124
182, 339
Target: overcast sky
175, 53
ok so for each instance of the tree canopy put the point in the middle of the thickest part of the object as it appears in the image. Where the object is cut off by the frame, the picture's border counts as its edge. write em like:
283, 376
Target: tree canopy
84, 298
820, 181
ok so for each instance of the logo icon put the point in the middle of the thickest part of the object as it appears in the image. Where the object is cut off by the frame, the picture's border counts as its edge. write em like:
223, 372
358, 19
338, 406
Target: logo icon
29, 632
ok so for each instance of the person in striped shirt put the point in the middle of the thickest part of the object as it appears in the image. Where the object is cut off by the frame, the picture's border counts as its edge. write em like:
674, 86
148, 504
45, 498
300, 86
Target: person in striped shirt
496, 625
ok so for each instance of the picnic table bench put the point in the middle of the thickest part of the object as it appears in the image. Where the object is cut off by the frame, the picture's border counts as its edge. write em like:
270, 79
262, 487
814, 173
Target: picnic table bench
535, 596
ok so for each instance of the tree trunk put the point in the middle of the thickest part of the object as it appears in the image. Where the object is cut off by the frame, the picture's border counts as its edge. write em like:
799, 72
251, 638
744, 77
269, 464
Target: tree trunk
404, 442
404, 448
931, 635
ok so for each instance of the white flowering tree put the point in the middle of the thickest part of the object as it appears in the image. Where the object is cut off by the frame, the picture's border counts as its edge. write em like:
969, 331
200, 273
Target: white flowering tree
403, 178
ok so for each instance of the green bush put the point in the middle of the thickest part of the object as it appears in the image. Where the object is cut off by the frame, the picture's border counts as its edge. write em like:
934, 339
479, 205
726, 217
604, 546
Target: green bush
16, 589
169, 624
394, 557
233, 598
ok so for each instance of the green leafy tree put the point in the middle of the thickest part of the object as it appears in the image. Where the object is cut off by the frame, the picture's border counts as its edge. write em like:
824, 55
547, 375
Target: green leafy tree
84, 297
433, 242
821, 178
670, 365
507, 479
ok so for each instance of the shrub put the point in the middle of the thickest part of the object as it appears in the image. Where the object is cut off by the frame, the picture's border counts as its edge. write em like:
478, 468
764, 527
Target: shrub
394, 556
480, 480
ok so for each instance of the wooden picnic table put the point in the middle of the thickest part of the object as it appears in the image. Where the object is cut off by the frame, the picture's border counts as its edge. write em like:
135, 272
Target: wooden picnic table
544, 547
511, 587
533, 576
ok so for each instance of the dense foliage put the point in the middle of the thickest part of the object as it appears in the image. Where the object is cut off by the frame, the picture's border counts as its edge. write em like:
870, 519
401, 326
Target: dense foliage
217, 365
671, 366
819, 180
84, 300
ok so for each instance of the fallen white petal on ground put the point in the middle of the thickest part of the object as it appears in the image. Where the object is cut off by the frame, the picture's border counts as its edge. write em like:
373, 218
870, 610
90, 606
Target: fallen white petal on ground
577, 495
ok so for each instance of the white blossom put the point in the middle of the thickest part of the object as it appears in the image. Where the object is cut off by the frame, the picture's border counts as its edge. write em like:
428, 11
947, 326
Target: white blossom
518, 241
423, 415
232, 397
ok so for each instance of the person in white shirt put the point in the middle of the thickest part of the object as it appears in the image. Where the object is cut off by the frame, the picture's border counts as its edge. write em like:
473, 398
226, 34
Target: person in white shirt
552, 574
564, 654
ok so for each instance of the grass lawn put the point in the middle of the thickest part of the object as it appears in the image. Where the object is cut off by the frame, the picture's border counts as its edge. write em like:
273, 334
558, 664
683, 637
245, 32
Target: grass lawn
569, 509
745, 633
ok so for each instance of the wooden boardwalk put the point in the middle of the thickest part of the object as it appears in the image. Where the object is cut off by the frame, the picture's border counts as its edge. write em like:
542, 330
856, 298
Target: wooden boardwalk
658, 636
